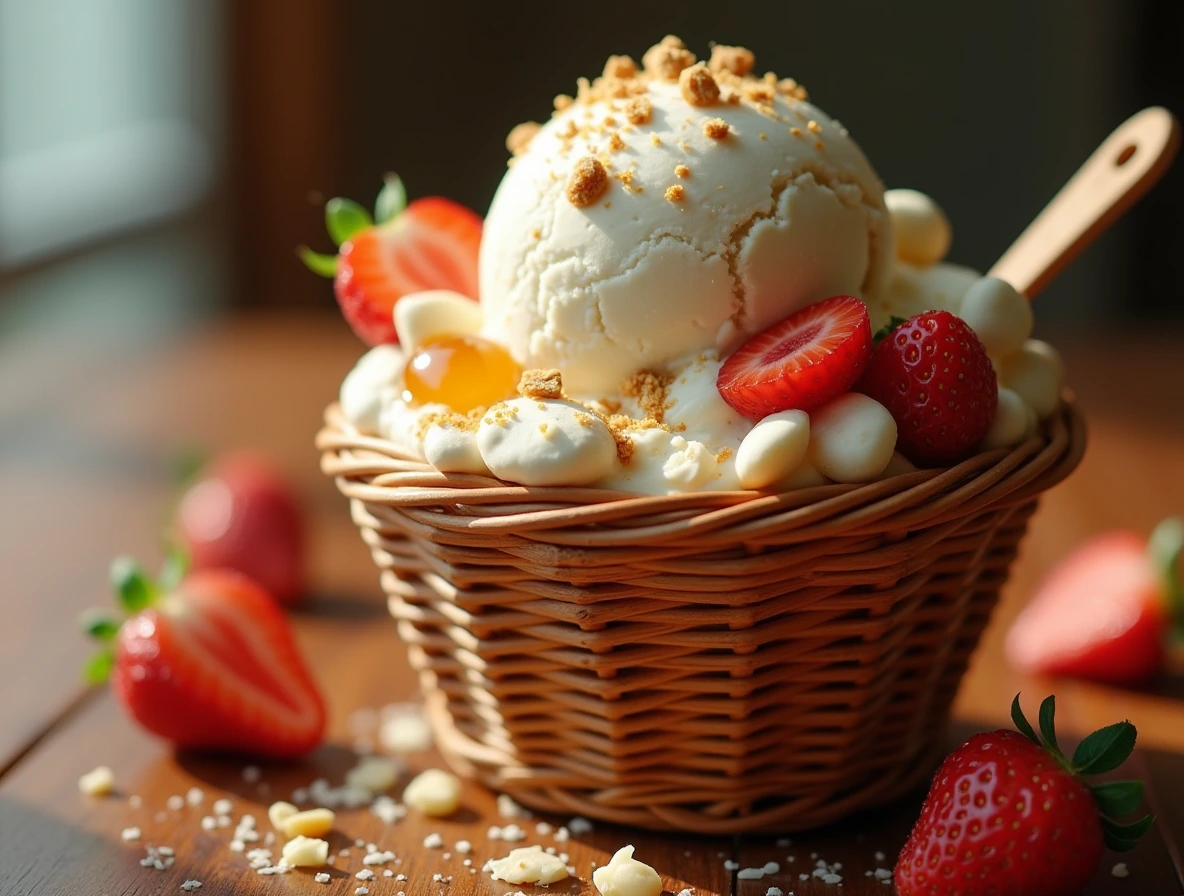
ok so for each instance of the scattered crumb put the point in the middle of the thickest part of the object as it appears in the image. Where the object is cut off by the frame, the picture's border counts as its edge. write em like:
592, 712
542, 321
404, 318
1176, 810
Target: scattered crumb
520, 136
588, 182
666, 59
676, 193
507, 808
682, 171
639, 110
321, 877
1120, 870
541, 384
615, 143
737, 61
130, 834
698, 87
622, 67
716, 129
797, 132
175, 803
813, 126
433, 841
98, 782
649, 389
561, 102
191, 885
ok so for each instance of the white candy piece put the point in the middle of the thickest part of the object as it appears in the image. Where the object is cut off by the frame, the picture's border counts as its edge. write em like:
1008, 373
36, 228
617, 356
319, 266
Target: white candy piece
279, 812
362, 389
528, 865
545, 442
1000, 316
852, 438
453, 450
310, 823
1012, 421
305, 852
625, 876
1036, 374
374, 773
921, 228
98, 782
773, 449
434, 792
422, 316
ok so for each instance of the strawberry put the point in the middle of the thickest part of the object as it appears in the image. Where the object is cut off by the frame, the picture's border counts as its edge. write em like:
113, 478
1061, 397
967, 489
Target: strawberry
430, 244
1106, 611
802, 362
1009, 814
208, 663
241, 514
933, 375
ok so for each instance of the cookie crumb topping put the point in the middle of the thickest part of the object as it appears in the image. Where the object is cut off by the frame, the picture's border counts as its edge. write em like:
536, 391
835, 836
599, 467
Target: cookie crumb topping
716, 129
588, 182
666, 59
541, 384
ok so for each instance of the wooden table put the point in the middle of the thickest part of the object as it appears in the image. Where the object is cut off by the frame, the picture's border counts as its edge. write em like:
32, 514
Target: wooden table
85, 447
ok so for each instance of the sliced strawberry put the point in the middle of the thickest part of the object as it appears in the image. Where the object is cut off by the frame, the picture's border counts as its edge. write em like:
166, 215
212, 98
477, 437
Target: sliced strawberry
211, 665
430, 244
1103, 614
802, 362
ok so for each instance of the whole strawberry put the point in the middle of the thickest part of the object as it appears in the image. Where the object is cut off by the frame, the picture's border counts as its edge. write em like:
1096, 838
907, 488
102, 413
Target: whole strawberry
430, 243
207, 661
933, 375
1008, 814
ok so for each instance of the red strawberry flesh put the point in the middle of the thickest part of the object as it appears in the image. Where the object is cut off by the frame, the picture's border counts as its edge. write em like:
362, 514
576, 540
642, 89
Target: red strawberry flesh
802, 362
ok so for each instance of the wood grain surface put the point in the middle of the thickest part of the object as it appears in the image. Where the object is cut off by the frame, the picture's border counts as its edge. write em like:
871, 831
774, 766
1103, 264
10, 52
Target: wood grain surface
84, 474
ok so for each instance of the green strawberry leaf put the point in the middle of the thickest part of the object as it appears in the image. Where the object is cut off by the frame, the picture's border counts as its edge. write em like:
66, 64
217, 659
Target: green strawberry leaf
885, 331
176, 564
99, 624
392, 199
98, 667
1105, 749
1022, 725
1118, 797
1123, 837
318, 262
1165, 547
344, 218
187, 466
134, 588
1048, 710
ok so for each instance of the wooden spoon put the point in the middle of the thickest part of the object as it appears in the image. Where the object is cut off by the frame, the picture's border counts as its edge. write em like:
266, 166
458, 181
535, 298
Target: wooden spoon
1120, 171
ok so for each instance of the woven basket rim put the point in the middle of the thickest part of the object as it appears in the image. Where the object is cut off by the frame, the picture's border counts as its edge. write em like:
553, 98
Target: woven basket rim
376, 472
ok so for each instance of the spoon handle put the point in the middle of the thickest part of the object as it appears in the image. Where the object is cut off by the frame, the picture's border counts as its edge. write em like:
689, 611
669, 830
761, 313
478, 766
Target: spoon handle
1120, 171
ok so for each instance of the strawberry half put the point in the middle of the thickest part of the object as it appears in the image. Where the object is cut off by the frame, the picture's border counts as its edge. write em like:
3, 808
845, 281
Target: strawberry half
1009, 813
802, 362
933, 375
1105, 613
209, 664
431, 243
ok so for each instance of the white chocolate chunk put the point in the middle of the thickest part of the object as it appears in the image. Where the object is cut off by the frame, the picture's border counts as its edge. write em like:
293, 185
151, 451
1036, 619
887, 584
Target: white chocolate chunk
311, 823
453, 450
433, 792
98, 782
1036, 374
279, 812
305, 852
1011, 423
423, 316
374, 773
528, 865
625, 876
1000, 316
363, 389
545, 442
921, 228
852, 438
773, 449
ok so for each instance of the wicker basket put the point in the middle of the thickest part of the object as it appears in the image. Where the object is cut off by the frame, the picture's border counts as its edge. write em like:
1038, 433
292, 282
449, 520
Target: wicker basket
711, 662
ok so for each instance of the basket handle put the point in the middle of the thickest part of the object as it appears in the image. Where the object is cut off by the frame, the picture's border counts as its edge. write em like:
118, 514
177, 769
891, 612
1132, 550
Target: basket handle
1119, 172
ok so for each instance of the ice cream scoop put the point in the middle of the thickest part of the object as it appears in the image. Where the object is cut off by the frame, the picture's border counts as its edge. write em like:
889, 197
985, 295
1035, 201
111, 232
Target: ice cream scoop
653, 217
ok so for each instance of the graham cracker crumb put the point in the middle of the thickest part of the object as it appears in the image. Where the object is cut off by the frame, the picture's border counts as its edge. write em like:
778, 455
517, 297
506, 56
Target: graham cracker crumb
723, 455
667, 58
655, 140
536, 234
814, 127
639, 110
649, 389
790, 87
520, 137
763, 136
735, 60
819, 145
682, 171
716, 129
622, 67
758, 92
698, 86
588, 182
449, 420
585, 420
797, 132
500, 414
615, 143
563, 101
610, 404
676, 193
626, 179
541, 384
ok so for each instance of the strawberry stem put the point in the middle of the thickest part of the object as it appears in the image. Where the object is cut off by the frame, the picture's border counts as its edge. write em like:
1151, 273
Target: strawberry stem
318, 262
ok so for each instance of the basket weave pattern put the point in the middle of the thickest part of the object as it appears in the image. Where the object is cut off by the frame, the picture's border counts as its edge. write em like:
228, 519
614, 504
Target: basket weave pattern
712, 662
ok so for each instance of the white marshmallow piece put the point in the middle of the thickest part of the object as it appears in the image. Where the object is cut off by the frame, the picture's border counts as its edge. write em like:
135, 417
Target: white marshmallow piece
305, 852
921, 228
1035, 373
362, 390
453, 450
1000, 316
773, 449
422, 316
625, 876
1012, 421
546, 442
528, 865
852, 438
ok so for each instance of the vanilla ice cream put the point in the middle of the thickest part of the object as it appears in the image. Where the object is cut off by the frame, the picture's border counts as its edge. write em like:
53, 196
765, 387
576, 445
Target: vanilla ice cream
696, 242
